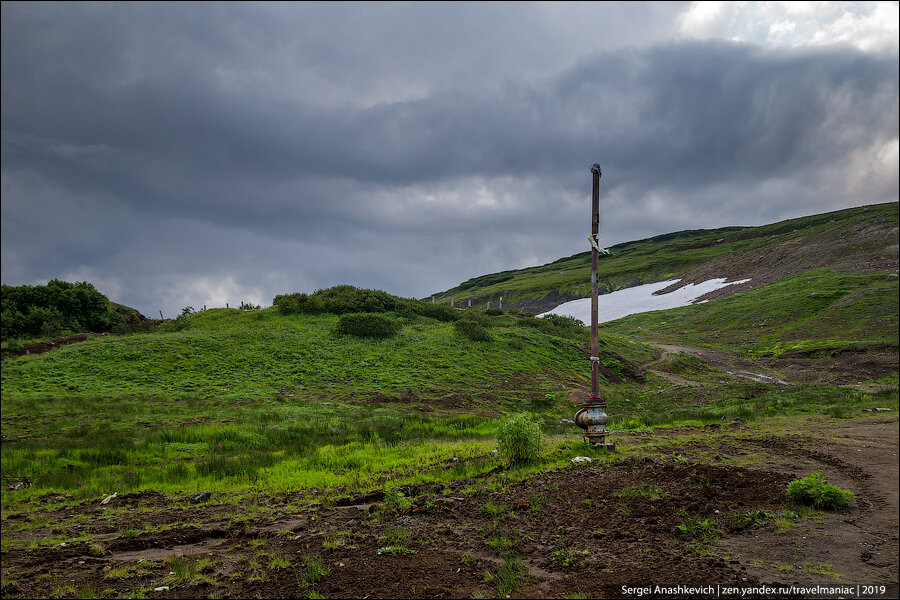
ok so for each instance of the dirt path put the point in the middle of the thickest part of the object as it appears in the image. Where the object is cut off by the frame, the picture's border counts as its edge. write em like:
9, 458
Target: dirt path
676, 379
728, 362
847, 368
861, 544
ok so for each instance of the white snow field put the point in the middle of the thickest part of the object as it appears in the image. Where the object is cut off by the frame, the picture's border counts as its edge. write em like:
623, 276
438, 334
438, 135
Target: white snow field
638, 299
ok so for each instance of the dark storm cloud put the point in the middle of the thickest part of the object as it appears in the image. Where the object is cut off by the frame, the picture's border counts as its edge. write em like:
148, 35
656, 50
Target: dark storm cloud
124, 129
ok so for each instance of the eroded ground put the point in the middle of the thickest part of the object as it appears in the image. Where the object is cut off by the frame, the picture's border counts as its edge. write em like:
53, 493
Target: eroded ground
675, 506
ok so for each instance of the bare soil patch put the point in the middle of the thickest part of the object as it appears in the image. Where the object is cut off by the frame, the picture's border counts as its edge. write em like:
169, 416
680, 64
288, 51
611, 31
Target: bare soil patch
839, 368
865, 248
587, 530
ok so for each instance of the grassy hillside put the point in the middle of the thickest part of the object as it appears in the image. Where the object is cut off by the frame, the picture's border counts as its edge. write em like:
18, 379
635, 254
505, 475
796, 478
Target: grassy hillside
237, 397
859, 239
238, 355
238, 400
813, 312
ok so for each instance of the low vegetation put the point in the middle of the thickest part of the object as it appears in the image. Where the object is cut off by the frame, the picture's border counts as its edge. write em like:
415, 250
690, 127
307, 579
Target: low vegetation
367, 325
814, 490
670, 255
57, 309
354, 423
519, 439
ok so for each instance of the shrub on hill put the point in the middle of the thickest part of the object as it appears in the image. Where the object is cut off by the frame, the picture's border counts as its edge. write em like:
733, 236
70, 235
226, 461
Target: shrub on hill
367, 325
559, 325
479, 317
343, 299
290, 304
441, 312
340, 299
472, 330
57, 308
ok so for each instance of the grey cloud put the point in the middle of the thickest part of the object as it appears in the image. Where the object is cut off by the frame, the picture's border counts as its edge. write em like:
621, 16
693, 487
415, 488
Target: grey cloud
400, 147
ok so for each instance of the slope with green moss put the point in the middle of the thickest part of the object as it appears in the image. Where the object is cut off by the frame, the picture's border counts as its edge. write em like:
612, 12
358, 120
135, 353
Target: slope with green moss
232, 354
860, 239
226, 398
816, 311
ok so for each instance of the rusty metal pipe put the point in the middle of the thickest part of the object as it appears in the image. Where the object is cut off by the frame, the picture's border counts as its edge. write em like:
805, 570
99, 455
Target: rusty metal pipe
592, 417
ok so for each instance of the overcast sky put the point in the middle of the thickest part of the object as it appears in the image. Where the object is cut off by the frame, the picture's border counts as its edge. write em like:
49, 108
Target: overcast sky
186, 154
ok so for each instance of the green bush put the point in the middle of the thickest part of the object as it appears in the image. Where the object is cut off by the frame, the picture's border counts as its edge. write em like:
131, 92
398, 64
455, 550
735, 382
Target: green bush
343, 299
290, 304
494, 312
59, 306
532, 322
559, 325
482, 318
472, 330
441, 312
563, 321
340, 299
367, 325
813, 489
519, 439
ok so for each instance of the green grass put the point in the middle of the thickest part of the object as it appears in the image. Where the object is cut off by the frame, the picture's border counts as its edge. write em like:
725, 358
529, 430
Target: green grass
510, 575
312, 569
814, 490
238, 355
241, 401
824, 569
666, 256
394, 540
819, 312
246, 399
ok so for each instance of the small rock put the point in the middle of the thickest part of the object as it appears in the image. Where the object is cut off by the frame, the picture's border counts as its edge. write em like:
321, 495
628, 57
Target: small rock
161, 588
198, 497
581, 459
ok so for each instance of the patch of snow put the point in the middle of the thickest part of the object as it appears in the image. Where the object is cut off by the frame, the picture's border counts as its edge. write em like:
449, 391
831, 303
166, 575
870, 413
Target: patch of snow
638, 299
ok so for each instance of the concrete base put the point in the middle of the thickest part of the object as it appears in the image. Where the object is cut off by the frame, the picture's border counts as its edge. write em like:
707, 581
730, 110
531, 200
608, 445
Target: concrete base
609, 446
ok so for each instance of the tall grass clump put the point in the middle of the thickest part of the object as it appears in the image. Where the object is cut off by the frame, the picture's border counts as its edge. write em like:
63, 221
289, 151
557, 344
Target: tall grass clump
367, 325
813, 489
519, 439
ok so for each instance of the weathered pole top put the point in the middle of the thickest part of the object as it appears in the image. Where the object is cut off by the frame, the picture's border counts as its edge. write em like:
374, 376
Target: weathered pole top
595, 168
